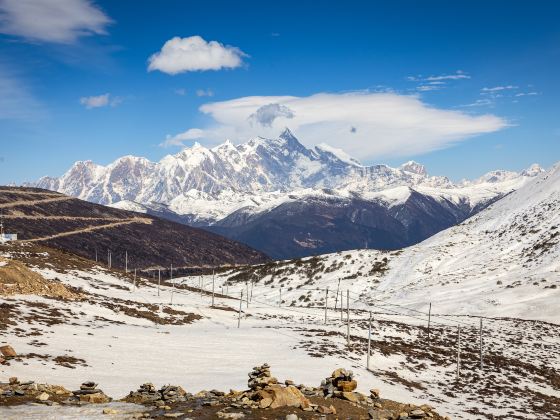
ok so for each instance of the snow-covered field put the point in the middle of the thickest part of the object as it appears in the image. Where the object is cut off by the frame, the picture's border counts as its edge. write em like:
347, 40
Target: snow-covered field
501, 267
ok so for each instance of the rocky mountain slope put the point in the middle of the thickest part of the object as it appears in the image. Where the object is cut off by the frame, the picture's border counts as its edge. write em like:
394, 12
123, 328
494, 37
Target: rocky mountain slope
92, 230
504, 261
285, 199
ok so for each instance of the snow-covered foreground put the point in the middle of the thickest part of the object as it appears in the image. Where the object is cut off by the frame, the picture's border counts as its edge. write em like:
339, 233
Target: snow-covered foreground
121, 336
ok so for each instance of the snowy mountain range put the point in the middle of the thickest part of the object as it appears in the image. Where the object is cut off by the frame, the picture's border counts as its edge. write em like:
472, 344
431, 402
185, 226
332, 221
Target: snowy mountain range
278, 196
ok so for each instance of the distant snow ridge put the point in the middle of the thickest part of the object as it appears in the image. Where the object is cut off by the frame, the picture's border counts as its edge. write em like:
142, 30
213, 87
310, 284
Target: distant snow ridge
209, 184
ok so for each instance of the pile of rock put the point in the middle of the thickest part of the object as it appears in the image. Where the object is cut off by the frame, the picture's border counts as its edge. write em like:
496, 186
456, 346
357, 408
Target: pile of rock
260, 378
147, 393
31, 391
89, 393
341, 381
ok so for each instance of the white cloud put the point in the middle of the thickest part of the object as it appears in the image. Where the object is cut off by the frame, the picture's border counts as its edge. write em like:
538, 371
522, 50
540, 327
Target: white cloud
266, 114
57, 21
179, 139
179, 55
100, 101
204, 92
180, 91
366, 125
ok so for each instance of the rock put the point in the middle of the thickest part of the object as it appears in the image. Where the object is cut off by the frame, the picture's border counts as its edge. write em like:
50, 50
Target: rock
233, 416
13, 380
88, 385
97, 398
2, 360
173, 415
417, 414
8, 351
374, 392
265, 402
380, 414
287, 397
43, 396
351, 396
347, 386
292, 417
289, 382
326, 410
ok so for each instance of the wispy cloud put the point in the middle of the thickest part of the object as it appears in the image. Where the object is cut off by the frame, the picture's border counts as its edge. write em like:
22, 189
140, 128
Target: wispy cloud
498, 88
436, 82
16, 99
100, 101
179, 55
180, 91
59, 21
458, 75
204, 92
366, 125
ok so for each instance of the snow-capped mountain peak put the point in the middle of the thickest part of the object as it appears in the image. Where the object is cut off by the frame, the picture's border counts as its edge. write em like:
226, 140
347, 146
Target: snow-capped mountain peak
414, 167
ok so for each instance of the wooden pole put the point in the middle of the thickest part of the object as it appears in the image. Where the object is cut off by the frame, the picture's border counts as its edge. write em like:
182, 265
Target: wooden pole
171, 276
429, 319
252, 287
336, 298
368, 341
95, 254
458, 352
239, 314
326, 298
126, 261
158, 280
212, 287
481, 360
247, 298
134, 279
348, 317
341, 307
280, 297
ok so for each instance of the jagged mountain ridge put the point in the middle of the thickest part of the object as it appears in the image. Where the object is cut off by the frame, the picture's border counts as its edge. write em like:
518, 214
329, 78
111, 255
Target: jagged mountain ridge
260, 165
277, 191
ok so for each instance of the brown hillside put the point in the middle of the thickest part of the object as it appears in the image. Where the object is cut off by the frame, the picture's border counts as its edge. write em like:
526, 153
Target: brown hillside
55, 220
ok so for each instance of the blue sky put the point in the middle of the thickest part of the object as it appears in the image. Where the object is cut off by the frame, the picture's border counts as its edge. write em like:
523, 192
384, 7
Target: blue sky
463, 87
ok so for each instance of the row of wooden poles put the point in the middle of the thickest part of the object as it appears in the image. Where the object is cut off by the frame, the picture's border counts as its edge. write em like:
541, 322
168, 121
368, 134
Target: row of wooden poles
249, 296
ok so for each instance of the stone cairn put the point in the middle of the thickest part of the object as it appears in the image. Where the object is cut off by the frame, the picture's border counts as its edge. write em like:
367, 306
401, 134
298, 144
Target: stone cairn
52, 394
260, 378
89, 392
147, 393
341, 384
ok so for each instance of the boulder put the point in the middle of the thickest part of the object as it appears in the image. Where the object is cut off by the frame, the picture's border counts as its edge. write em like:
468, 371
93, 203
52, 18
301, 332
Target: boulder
8, 351
288, 396
347, 386
351, 396
43, 396
97, 398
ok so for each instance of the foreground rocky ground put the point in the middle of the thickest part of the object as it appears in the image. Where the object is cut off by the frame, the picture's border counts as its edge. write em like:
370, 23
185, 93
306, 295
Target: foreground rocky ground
265, 398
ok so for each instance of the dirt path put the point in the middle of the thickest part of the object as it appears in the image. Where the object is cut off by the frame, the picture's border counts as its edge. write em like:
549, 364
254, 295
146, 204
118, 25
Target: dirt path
92, 228
41, 217
33, 202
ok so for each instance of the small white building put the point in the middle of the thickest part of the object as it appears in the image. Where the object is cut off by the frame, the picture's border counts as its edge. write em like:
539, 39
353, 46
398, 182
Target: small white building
6, 237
